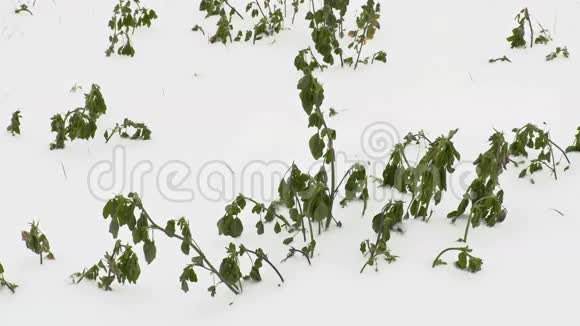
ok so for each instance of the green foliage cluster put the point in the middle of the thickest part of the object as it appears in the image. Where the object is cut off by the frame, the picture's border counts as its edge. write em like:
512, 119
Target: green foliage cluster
3, 282
367, 24
465, 260
427, 180
37, 242
14, 127
129, 212
531, 137
383, 223
559, 51
141, 131
128, 15
267, 16
80, 123
485, 197
122, 265
575, 147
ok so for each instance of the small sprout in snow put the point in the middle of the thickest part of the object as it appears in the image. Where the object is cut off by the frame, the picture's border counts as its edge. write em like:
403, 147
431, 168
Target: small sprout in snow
198, 28
14, 127
37, 242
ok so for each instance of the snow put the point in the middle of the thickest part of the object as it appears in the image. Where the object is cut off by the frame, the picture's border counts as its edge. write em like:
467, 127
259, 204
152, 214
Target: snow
216, 108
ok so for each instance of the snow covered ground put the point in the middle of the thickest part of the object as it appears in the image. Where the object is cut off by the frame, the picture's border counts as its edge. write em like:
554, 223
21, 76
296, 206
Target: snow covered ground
225, 110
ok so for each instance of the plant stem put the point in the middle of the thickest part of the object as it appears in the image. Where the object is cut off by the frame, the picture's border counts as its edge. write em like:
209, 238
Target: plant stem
449, 249
194, 247
269, 263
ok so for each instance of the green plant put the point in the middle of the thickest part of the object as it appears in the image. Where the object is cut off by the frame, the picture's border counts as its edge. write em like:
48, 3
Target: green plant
125, 20
531, 137
367, 24
382, 224
122, 265
271, 19
575, 147
129, 211
502, 59
465, 260
3, 282
14, 127
80, 123
22, 8
141, 131
485, 196
517, 39
37, 242
559, 50
327, 28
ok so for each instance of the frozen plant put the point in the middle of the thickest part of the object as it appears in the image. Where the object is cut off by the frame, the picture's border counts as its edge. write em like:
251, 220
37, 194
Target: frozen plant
382, 223
128, 15
531, 137
517, 39
559, 51
37, 242
80, 123
129, 211
502, 59
367, 24
141, 131
14, 127
122, 265
22, 8
485, 197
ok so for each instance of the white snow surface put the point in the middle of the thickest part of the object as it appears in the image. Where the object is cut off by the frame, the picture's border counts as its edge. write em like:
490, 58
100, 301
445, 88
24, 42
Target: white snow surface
238, 104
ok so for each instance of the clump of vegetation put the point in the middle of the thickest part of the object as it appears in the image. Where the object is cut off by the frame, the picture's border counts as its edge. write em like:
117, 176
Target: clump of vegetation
37, 242
3, 282
122, 265
305, 202
485, 197
141, 131
531, 137
575, 147
128, 15
382, 223
563, 51
518, 37
465, 260
14, 127
129, 211
367, 24
80, 123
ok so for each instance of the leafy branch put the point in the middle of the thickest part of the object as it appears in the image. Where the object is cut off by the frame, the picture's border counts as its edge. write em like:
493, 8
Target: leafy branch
559, 51
367, 24
123, 24
465, 260
23, 8
382, 223
122, 265
80, 123
129, 211
531, 137
37, 242
517, 39
141, 131
14, 127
